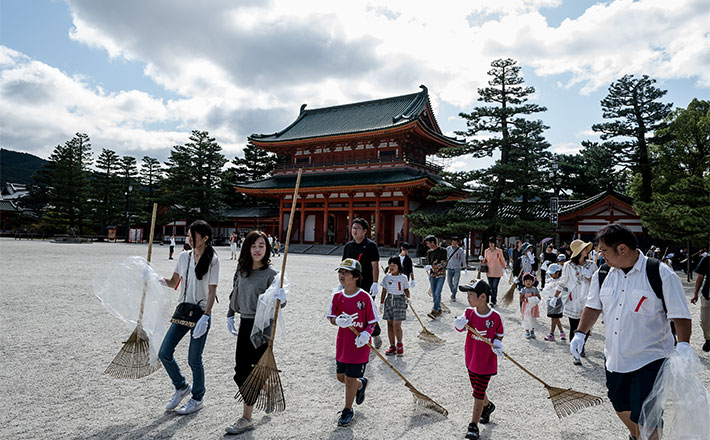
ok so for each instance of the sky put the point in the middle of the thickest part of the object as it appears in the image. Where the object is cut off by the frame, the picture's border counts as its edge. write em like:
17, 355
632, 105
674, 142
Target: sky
139, 76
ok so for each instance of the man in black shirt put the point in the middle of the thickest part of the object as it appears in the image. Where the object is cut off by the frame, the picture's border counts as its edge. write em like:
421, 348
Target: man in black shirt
365, 251
436, 268
703, 271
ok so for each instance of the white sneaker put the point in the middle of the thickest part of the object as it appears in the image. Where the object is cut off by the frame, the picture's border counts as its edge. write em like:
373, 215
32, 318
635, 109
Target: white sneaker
177, 398
241, 425
190, 407
378, 341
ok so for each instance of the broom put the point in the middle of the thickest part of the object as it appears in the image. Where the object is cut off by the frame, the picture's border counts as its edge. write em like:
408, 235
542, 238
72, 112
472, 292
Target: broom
419, 397
508, 297
425, 334
565, 401
133, 360
263, 385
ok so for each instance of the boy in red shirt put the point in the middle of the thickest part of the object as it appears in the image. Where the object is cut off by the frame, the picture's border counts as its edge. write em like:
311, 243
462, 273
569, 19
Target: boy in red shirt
352, 307
481, 359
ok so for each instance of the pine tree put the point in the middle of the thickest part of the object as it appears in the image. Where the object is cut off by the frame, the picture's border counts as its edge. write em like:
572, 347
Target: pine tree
591, 171
256, 164
107, 189
128, 173
151, 175
193, 178
67, 185
636, 113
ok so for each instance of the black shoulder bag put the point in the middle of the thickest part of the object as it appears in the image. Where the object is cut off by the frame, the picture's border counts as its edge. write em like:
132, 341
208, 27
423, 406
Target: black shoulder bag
186, 313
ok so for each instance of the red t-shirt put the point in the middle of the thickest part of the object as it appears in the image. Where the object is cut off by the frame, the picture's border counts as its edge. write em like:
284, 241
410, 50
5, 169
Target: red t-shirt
480, 359
362, 304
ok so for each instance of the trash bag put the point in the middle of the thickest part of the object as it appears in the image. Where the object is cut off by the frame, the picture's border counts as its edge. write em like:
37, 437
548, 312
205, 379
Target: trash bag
261, 332
679, 404
529, 320
120, 288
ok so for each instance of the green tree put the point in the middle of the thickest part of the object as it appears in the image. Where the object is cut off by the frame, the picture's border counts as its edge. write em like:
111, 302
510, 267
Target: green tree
193, 178
66, 184
151, 175
680, 206
256, 164
591, 171
128, 174
635, 114
107, 189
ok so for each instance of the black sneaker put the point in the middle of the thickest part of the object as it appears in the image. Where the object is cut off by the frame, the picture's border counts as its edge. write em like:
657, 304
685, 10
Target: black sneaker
486, 413
706, 345
472, 431
360, 396
346, 417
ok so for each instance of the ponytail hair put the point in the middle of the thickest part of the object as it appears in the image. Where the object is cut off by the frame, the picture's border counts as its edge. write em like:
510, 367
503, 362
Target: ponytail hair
204, 229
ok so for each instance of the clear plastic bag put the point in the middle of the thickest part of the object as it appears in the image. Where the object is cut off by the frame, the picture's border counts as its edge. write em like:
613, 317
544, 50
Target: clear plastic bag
120, 286
678, 404
261, 332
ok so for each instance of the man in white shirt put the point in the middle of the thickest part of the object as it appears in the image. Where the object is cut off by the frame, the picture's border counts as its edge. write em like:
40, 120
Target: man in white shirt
637, 332
456, 262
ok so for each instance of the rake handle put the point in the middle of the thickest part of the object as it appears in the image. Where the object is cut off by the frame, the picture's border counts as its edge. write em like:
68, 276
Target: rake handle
283, 263
357, 333
484, 339
416, 315
150, 254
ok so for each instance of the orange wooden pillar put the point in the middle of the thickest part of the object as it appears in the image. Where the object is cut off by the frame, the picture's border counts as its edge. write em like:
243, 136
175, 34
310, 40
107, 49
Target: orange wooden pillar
377, 217
406, 220
303, 220
325, 218
280, 233
350, 214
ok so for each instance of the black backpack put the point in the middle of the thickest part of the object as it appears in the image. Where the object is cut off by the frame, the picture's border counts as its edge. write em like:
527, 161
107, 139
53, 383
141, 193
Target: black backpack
653, 273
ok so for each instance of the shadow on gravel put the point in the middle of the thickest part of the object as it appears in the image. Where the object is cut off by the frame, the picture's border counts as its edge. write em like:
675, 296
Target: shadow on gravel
154, 430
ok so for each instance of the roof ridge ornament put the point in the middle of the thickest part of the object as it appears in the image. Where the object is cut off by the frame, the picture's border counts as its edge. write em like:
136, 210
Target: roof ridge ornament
303, 109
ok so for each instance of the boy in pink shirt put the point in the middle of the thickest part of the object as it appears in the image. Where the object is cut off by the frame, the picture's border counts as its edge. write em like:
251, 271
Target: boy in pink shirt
352, 307
481, 359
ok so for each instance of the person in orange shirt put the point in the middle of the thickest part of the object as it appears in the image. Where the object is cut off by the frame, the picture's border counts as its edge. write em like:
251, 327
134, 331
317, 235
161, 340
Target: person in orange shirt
493, 257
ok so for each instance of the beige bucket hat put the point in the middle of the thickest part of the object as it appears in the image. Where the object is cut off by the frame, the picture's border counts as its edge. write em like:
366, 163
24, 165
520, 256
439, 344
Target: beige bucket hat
578, 245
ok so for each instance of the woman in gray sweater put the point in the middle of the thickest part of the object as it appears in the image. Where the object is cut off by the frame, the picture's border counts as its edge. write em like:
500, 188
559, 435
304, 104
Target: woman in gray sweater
253, 276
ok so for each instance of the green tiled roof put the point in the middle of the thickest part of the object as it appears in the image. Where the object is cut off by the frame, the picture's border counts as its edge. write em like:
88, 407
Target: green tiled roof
352, 178
358, 117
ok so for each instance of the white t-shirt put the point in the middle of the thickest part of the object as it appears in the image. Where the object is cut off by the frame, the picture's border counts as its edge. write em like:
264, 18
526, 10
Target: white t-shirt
195, 292
636, 328
172, 241
395, 284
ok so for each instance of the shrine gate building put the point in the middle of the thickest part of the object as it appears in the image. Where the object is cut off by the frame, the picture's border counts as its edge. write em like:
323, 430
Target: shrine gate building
367, 159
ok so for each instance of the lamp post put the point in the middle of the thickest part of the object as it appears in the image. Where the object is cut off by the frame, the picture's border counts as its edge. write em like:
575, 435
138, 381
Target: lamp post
128, 212
554, 201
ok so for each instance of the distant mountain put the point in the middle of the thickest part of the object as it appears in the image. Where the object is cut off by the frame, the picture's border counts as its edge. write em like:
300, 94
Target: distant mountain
16, 167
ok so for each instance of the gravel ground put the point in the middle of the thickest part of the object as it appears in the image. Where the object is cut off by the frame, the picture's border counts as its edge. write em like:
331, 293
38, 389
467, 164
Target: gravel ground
57, 339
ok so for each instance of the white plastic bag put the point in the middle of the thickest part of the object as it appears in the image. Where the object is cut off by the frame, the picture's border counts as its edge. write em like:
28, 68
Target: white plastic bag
529, 321
120, 289
261, 332
679, 403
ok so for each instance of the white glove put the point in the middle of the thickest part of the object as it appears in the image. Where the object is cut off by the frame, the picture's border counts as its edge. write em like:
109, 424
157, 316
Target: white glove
553, 301
148, 274
460, 322
577, 344
684, 349
427, 268
465, 272
362, 339
497, 347
412, 284
345, 320
382, 309
373, 289
201, 327
230, 325
481, 257
280, 294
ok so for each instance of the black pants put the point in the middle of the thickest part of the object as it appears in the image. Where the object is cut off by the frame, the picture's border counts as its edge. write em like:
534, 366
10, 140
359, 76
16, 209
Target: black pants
246, 355
542, 278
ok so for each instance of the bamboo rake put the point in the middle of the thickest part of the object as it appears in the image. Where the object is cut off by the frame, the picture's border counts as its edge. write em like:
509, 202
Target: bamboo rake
564, 401
262, 388
419, 397
508, 297
425, 334
133, 360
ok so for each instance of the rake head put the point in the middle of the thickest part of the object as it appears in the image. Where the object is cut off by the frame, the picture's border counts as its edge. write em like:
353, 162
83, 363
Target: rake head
508, 297
428, 336
133, 360
263, 389
568, 401
424, 401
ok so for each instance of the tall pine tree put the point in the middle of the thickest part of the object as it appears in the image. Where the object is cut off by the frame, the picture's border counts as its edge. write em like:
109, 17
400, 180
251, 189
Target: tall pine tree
107, 189
151, 175
635, 114
128, 173
256, 164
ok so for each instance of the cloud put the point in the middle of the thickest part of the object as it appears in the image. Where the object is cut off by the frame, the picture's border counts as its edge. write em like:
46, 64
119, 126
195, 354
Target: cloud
243, 67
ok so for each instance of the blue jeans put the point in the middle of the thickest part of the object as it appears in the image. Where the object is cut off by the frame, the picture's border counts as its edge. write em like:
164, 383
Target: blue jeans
436, 284
453, 275
493, 282
194, 358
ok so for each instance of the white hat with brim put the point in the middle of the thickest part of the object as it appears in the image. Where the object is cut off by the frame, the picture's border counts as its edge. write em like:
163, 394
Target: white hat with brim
578, 245
350, 264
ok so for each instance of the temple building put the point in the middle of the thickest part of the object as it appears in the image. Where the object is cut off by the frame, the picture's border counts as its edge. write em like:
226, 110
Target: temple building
367, 159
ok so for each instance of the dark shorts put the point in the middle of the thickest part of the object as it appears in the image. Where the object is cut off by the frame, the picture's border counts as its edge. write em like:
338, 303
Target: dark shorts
479, 383
554, 315
627, 391
355, 371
